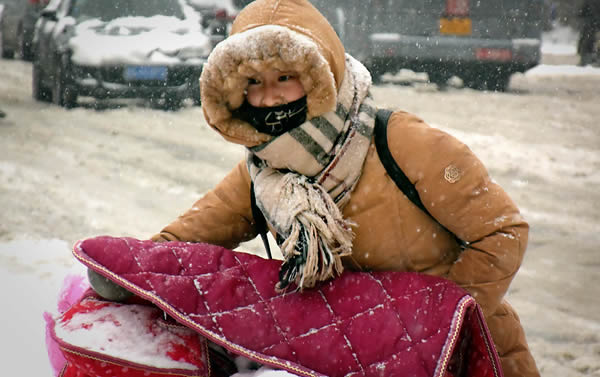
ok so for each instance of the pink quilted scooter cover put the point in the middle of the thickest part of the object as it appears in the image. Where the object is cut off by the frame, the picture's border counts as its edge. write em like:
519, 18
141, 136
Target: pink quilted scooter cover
359, 324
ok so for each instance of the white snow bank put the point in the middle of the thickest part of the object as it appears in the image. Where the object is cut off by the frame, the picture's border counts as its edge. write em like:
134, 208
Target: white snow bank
563, 70
561, 40
49, 259
31, 274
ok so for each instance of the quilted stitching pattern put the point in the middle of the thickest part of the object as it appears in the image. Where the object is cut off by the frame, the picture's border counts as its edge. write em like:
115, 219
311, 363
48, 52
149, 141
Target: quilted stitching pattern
360, 324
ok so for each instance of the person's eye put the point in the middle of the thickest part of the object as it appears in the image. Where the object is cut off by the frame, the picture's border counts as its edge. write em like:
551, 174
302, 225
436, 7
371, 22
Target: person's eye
284, 78
253, 81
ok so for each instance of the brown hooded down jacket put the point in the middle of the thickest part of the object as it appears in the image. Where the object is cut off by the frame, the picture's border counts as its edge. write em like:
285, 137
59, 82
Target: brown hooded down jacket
391, 232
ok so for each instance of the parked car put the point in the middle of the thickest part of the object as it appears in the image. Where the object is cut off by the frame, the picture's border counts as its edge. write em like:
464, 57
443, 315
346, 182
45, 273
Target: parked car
10, 13
17, 22
218, 15
26, 27
119, 49
481, 41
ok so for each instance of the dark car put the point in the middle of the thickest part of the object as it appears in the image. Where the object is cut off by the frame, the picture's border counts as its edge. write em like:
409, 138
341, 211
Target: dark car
26, 27
481, 41
17, 23
10, 13
119, 49
218, 15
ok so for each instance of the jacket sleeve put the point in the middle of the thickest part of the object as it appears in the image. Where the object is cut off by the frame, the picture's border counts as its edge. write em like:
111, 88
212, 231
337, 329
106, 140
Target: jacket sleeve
223, 216
457, 191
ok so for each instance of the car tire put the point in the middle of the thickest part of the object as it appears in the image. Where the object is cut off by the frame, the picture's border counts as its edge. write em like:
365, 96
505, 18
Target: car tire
172, 103
491, 79
497, 81
4, 52
473, 82
439, 78
197, 101
378, 68
195, 93
40, 93
376, 74
25, 52
63, 92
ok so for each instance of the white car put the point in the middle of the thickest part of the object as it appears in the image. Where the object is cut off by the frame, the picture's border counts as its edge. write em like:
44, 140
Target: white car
10, 12
119, 49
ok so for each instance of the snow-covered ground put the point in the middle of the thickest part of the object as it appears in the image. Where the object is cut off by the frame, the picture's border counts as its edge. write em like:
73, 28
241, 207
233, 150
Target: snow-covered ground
68, 175
561, 40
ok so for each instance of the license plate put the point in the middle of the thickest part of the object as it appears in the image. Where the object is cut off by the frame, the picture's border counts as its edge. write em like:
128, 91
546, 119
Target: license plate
494, 54
134, 73
455, 26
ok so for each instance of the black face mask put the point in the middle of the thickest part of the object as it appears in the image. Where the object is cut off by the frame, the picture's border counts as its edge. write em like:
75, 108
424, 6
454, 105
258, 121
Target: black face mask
275, 120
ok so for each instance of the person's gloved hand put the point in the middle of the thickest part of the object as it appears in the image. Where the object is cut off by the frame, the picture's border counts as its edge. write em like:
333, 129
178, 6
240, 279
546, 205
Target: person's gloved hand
106, 288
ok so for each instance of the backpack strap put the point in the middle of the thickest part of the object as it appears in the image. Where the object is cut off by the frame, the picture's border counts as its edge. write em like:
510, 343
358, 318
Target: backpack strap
404, 184
390, 165
260, 221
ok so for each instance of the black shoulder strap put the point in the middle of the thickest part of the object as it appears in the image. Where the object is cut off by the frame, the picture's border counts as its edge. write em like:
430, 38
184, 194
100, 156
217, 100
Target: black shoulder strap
390, 165
260, 221
404, 184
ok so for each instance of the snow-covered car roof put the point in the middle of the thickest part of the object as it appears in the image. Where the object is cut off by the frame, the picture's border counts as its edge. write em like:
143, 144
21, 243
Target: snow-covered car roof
136, 32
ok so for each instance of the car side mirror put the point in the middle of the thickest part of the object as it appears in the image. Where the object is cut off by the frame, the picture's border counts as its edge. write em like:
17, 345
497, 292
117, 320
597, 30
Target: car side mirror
50, 14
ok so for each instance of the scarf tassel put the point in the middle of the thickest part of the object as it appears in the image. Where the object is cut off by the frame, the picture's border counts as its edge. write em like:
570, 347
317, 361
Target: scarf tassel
318, 240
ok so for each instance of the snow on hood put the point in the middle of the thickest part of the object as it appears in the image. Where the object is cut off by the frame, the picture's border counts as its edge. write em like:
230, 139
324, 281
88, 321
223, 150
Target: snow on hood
139, 40
223, 4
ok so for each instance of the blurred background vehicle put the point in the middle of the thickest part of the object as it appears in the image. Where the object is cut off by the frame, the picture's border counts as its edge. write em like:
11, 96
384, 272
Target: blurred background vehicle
481, 41
26, 27
17, 22
151, 49
588, 46
10, 14
218, 15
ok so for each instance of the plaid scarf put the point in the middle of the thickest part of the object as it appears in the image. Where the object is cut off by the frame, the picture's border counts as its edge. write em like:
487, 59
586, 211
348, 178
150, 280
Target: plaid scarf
304, 177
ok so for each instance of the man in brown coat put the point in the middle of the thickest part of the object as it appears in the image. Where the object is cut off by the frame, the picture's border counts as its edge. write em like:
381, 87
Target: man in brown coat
282, 86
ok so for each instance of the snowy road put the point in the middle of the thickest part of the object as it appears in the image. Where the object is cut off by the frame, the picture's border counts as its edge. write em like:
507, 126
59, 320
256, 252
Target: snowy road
71, 174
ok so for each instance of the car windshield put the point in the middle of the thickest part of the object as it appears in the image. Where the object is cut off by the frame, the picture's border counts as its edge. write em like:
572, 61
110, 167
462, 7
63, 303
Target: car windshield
107, 10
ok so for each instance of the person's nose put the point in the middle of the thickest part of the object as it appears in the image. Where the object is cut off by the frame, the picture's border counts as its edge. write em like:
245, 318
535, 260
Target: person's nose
272, 97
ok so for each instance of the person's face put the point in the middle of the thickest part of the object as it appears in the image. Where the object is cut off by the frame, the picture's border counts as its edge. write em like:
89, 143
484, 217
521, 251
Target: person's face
273, 88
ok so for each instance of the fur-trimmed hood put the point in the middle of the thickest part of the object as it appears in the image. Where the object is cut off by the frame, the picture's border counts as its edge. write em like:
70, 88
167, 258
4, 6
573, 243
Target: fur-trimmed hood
288, 35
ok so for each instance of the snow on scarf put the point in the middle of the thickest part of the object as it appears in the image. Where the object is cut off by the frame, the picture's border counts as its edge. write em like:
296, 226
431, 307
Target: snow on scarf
303, 179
